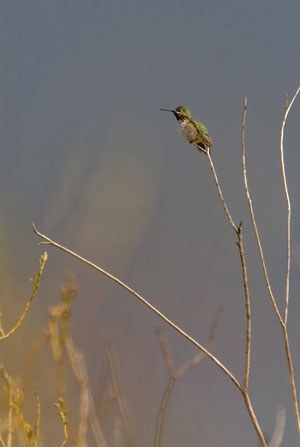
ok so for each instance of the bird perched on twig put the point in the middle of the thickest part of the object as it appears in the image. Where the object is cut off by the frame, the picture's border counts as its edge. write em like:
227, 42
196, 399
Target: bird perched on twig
192, 130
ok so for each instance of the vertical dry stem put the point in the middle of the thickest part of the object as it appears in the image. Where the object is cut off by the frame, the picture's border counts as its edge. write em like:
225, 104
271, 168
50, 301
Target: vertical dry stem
231, 221
240, 245
291, 374
253, 419
162, 411
175, 374
288, 202
257, 237
282, 322
87, 407
118, 392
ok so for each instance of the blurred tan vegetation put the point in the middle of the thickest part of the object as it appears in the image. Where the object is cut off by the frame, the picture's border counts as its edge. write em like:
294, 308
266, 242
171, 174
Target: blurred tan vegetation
64, 395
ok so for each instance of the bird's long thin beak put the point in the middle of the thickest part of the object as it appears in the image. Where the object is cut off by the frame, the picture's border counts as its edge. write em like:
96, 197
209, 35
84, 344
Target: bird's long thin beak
167, 110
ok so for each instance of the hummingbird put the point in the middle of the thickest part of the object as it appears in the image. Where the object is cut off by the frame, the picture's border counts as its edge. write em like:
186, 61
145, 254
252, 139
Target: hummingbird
192, 130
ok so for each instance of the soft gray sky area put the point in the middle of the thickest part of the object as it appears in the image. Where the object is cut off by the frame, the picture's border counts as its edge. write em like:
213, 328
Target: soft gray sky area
87, 155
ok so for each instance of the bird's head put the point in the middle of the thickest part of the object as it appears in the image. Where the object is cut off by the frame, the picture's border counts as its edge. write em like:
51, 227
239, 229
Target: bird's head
180, 112
183, 111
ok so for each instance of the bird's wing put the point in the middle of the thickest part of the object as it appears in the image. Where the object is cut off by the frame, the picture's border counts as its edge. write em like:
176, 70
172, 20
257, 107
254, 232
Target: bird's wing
206, 137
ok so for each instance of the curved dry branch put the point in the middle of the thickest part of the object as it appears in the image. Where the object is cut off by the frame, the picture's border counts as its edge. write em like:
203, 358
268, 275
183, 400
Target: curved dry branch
48, 241
288, 202
253, 219
215, 360
283, 322
36, 283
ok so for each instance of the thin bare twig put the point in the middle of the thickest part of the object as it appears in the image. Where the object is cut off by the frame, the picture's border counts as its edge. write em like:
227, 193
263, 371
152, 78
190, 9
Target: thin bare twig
175, 374
257, 237
191, 363
214, 359
212, 166
172, 378
166, 351
291, 375
287, 292
240, 245
288, 202
259, 432
127, 429
87, 407
162, 411
145, 302
282, 322
36, 282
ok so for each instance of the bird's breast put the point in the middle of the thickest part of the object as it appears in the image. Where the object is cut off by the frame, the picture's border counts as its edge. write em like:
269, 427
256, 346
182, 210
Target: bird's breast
188, 130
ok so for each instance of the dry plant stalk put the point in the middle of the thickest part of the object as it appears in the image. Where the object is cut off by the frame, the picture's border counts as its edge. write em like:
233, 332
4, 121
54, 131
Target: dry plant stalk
48, 241
15, 421
175, 374
36, 283
282, 320
38, 417
229, 374
58, 335
238, 230
243, 389
60, 405
240, 244
122, 407
87, 407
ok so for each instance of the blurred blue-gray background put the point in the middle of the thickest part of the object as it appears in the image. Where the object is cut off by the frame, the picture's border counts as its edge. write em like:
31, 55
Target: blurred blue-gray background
89, 158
